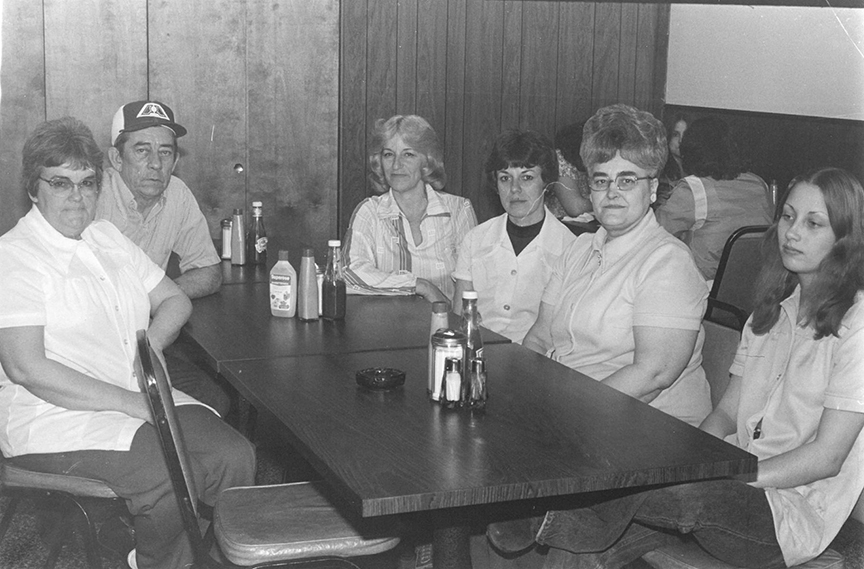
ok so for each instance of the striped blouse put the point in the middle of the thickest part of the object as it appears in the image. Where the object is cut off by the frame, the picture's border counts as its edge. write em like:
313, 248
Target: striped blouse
380, 255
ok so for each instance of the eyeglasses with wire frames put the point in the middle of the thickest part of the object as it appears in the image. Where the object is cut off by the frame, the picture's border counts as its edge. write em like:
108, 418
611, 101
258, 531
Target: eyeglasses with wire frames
624, 182
62, 187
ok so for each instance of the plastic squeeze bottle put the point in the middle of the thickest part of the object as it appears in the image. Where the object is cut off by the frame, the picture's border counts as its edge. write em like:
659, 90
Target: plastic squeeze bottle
283, 287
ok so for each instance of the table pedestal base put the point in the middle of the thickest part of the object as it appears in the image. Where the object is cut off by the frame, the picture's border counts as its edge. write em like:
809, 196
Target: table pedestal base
451, 546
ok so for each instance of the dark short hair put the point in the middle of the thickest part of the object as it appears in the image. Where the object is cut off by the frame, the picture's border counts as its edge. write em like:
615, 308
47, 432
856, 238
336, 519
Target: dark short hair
708, 149
521, 149
56, 143
417, 133
568, 140
637, 135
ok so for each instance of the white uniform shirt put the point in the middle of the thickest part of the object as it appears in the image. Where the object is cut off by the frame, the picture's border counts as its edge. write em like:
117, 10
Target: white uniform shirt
788, 378
600, 290
91, 296
509, 287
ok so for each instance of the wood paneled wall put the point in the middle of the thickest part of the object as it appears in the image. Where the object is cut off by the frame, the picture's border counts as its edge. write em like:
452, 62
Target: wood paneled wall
255, 82
476, 67
288, 88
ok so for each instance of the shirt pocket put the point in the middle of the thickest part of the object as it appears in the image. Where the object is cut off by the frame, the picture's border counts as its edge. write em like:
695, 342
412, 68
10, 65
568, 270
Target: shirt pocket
486, 270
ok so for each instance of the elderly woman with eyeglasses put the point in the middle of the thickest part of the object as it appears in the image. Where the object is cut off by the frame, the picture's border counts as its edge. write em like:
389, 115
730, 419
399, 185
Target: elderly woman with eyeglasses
75, 292
624, 305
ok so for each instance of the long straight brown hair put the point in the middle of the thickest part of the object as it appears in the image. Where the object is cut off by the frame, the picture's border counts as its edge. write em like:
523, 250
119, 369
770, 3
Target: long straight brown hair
841, 272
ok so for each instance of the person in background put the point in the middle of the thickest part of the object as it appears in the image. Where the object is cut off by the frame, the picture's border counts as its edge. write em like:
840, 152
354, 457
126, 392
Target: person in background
508, 259
158, 212
716, 198
75, 292
624, 305
405, 240
570, 196
795, 400
674, 169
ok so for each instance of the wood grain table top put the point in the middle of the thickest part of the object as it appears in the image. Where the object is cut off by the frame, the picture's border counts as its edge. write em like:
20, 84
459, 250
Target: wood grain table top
235, 324
546, 431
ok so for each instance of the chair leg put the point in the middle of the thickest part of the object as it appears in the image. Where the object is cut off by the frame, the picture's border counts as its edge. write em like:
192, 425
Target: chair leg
91, 544
58, 535
73, 505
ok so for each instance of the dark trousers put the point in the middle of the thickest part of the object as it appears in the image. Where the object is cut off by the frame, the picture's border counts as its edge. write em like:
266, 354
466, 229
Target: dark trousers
731, 520
189, 378
220, 457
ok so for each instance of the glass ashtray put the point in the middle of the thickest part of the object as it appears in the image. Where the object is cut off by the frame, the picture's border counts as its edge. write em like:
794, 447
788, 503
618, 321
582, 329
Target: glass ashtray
380, 378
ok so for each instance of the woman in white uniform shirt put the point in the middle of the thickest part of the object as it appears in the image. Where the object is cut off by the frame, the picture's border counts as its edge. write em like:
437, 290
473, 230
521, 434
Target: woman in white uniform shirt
508, 259
624, 305
74, 294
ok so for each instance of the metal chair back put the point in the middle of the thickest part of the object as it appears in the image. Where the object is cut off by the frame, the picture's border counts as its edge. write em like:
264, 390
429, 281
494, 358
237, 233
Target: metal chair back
739, 265
153, 381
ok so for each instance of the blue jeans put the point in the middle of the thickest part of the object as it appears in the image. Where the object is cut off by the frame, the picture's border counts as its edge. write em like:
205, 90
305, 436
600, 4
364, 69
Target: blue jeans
731, 520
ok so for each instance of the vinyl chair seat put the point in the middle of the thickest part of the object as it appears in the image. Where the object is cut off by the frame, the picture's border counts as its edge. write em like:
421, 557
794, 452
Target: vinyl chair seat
14, 477
257, 524
689, 555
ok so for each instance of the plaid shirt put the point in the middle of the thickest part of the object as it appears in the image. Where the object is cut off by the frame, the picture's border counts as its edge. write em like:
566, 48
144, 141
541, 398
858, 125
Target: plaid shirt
380, 254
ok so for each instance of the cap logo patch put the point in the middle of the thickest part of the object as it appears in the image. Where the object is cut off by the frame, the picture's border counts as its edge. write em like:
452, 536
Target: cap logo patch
153, 110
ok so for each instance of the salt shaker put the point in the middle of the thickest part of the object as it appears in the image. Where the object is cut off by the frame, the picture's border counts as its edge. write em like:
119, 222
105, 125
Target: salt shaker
452, 388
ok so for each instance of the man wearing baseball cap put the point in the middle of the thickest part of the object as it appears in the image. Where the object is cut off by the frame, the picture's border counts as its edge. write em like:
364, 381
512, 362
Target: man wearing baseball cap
159, 213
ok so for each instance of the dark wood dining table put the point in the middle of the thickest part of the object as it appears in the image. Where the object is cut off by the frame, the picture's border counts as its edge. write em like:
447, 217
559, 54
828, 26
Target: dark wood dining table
547, 431
235, 324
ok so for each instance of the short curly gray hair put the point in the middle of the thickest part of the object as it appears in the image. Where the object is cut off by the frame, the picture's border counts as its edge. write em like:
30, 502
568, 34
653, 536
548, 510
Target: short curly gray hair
637, 135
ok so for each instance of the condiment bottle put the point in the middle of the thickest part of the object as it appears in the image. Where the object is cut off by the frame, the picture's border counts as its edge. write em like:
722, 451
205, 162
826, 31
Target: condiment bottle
477, 392
238, 238
453, 382
471, 327
439, 321
257, 241
319, 277
447, 344
226, 239
283, 287
333, 287
307, 300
